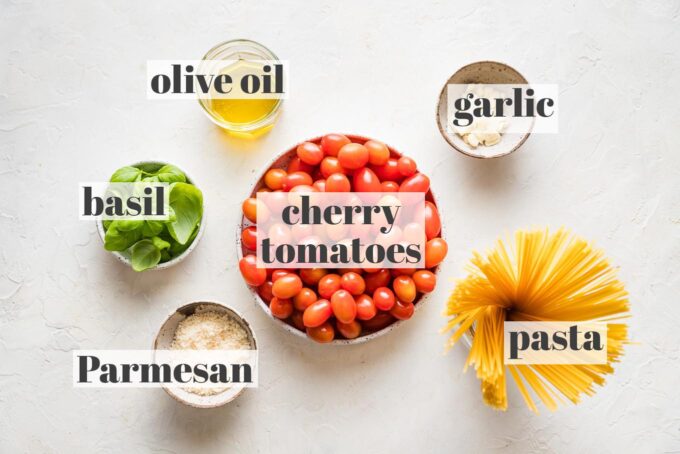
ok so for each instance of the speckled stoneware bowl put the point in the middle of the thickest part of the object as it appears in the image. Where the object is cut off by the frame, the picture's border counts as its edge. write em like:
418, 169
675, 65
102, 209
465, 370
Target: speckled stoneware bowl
481, 72
282, 161
125, 256
164, 339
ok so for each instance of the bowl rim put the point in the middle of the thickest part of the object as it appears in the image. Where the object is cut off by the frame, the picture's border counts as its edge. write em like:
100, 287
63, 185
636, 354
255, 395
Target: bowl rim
191, 307
161, 266
440, 98
253, 290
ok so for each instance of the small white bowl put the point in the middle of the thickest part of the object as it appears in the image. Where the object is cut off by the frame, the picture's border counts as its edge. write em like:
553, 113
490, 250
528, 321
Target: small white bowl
124, 256
163, 341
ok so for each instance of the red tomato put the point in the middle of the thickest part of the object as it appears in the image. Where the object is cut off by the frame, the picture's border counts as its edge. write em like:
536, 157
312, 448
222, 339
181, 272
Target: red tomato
317, 313
296, 179
320, 185
249, 238
344, 306
380, 321
251, 273
281, 308
329, 284
304, 299
287, 286
311, 276
388, 171
415, 183
274, 178
330, 165
353, 156
279, 273
366, 310
349, 330
435, 251
383, 298
402, 310
404, 288
309, 153
407, 166
365, 180
322, 334
337, 182
296, 165
252, 209
375, 280
433, 224
353, 283
265, 291
389, 186
378, 153
425, 281
402, 271
331, 143
296, 320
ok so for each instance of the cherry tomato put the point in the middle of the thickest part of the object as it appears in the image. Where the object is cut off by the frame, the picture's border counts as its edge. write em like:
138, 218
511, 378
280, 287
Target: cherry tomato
375, 280
378, 153
296, 320
330, 165
425, 281
332, 143
366, 310
281, 308
311, 276
278, 274
265, 291
383, 298
249, 237
296, 165
388, 171
343, 271
304, 299
389, 186
406, 166
251, 273
320, 185
402, 271
274, 178
380, 321
364, 180
329, 284
317, 313
402, 310
309, 153
415, 183
404, 288
353, 283
435, 251
433, 224
252, 208
322, 334
353, 156
349, 330
296, 179
337, 182
344, 306
287, 286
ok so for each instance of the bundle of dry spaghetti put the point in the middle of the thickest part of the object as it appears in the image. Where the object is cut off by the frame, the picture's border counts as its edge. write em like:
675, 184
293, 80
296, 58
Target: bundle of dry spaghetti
544, 277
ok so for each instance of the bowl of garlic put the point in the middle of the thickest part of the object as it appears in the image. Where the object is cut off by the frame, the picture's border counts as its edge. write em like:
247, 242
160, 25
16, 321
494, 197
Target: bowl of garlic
491, 134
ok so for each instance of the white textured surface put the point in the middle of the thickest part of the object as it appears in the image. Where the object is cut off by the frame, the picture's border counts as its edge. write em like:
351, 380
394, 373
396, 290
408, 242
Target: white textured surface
73, 108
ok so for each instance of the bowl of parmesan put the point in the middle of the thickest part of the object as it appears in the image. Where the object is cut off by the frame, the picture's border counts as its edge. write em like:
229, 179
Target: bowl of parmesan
205, 325
488, 136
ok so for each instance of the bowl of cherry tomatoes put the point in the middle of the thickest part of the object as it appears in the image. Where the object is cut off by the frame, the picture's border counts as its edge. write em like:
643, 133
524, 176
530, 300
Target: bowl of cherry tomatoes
344, 305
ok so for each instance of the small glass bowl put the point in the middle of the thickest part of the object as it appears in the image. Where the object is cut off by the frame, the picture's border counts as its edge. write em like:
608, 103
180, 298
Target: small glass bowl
242, 49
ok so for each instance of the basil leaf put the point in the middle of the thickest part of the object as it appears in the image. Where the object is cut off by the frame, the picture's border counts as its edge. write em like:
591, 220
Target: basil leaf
171, 174
160, 243
165, 256
176, 248
127, 225
117, 240
144, 255
151, 179
152, 228
187, 202
126, 175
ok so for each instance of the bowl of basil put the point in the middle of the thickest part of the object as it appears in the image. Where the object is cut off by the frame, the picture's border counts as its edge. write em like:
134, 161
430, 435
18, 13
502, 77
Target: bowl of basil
153, 245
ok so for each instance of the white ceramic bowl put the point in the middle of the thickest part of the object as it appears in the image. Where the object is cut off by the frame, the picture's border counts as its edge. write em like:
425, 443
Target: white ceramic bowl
281, 161
163, 341
124, 256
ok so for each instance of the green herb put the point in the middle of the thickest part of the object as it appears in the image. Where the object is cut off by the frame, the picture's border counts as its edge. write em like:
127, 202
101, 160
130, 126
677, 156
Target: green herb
152, 242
